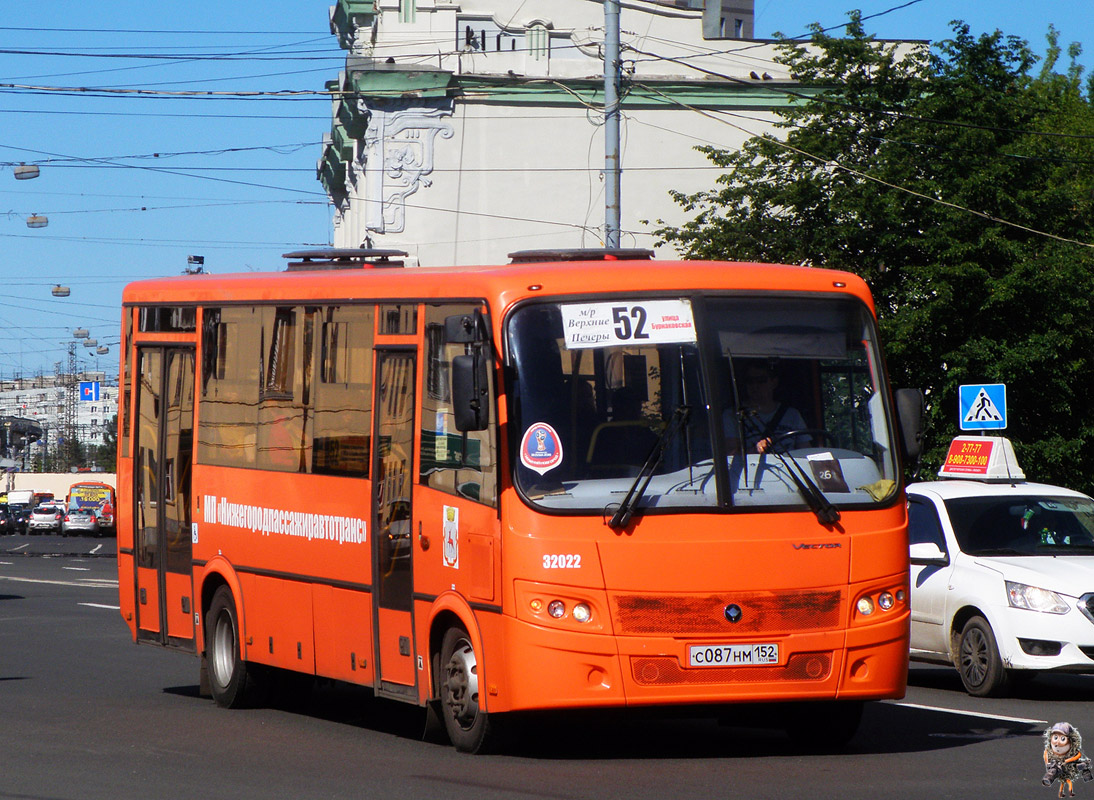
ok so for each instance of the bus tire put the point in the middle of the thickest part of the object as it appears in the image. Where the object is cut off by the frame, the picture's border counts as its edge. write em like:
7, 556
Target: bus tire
978, 662
231, 680
469, 728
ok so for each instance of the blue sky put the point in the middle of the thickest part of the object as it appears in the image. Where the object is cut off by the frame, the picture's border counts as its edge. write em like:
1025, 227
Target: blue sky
133, 184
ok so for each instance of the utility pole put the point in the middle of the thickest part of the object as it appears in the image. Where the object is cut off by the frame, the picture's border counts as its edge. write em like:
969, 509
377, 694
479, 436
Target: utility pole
611, 124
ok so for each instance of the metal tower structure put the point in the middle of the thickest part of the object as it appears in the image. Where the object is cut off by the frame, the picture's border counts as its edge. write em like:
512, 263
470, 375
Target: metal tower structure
67, 451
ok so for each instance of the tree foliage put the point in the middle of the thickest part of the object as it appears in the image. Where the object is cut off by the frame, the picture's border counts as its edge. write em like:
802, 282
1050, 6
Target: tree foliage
958, 183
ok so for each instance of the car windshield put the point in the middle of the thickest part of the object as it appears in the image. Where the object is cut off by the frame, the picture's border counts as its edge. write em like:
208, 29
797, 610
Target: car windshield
1033, 525
781, 394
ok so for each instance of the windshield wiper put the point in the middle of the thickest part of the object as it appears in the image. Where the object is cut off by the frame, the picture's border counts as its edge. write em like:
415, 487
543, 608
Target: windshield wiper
622, 516
827, 513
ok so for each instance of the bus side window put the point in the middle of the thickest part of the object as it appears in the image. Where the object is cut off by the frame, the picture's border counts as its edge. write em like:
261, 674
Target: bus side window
229, 387
283, 443
342, 402
460, 464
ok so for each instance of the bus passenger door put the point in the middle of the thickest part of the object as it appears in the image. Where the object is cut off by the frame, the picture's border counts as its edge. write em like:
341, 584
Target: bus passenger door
164, 455
392, 471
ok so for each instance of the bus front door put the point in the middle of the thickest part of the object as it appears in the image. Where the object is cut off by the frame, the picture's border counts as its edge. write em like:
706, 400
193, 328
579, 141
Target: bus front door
392, 471
164, 453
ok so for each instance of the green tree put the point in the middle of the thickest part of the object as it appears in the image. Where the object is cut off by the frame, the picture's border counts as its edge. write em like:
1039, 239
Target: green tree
957, 182
105, 455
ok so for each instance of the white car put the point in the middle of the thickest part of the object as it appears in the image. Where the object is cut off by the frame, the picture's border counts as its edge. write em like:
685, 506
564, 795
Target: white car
1002, 577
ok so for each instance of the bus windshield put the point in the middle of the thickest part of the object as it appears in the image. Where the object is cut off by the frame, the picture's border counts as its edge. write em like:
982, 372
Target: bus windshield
781, 398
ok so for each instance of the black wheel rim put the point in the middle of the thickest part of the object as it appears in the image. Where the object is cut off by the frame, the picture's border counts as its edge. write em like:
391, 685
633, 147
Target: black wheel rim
974, 657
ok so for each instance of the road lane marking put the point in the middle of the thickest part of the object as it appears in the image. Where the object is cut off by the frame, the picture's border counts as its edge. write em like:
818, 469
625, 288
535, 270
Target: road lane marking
99, 605
78, 569
981, 714
20, 547
97, 548
85, 583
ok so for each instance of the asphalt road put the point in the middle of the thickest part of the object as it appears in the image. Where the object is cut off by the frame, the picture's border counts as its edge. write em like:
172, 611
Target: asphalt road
86, 714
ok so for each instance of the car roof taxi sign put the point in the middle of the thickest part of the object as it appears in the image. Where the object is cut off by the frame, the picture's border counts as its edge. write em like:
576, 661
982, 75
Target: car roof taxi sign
985, 458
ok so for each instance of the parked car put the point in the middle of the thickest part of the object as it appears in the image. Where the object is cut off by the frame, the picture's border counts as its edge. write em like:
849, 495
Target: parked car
80, 521
45, 519
1002, 574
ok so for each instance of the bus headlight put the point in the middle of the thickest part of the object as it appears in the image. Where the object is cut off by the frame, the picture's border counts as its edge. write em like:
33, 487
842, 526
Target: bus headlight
557, 609
581, 613
877, 603
1032, 598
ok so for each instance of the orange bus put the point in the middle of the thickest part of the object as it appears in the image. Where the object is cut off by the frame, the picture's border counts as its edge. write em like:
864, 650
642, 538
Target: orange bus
544, 485
94, 495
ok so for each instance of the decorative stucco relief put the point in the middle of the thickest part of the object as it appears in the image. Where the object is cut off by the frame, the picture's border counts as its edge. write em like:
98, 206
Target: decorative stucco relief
395, 157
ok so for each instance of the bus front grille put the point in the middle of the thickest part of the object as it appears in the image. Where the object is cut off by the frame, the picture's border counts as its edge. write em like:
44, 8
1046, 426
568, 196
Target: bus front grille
702, 615
666, 670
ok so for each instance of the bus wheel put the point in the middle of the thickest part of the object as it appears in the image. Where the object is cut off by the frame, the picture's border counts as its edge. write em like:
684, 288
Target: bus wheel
978, 660
469, 728
230, 679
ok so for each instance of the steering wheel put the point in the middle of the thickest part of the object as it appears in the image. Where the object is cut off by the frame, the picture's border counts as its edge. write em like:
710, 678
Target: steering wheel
814, 433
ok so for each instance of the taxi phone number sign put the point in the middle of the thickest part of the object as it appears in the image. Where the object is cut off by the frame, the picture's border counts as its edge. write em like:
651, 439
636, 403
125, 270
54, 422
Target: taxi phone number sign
626, 322
968, 456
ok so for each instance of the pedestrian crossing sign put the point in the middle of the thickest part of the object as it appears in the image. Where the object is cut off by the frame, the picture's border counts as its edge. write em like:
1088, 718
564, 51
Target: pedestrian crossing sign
983, 406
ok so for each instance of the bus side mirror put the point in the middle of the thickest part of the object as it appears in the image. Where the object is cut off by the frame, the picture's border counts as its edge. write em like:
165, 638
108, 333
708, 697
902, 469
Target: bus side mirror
465, 328
470, 392
909, 414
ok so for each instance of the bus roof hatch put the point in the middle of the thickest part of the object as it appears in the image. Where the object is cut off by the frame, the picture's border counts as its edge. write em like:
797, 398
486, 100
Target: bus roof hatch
582, 254
342, 258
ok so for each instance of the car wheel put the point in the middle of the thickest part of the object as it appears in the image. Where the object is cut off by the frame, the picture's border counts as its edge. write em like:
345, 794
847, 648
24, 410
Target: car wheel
469, 727
231, 679
978, 660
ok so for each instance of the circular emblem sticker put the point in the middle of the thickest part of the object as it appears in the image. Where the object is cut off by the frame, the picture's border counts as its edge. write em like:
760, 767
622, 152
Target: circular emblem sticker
540, 449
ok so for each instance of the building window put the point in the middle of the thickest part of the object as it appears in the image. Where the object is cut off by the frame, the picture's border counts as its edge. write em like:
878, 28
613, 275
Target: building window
408, 11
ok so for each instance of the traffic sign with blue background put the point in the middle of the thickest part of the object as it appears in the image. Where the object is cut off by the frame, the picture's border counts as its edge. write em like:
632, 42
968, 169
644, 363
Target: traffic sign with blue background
89, 390
983, 406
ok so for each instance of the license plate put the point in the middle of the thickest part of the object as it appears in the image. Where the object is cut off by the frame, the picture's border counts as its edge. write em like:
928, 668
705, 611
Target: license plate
732, 655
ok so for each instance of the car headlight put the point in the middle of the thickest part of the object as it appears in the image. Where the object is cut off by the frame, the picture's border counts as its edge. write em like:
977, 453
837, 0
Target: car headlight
1019, 595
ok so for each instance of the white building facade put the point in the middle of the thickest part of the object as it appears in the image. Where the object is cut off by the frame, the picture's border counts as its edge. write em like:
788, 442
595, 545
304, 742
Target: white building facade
42, 401
463, 131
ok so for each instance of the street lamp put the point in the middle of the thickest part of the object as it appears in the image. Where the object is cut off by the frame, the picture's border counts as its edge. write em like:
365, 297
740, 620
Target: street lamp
24, 172
61, 291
